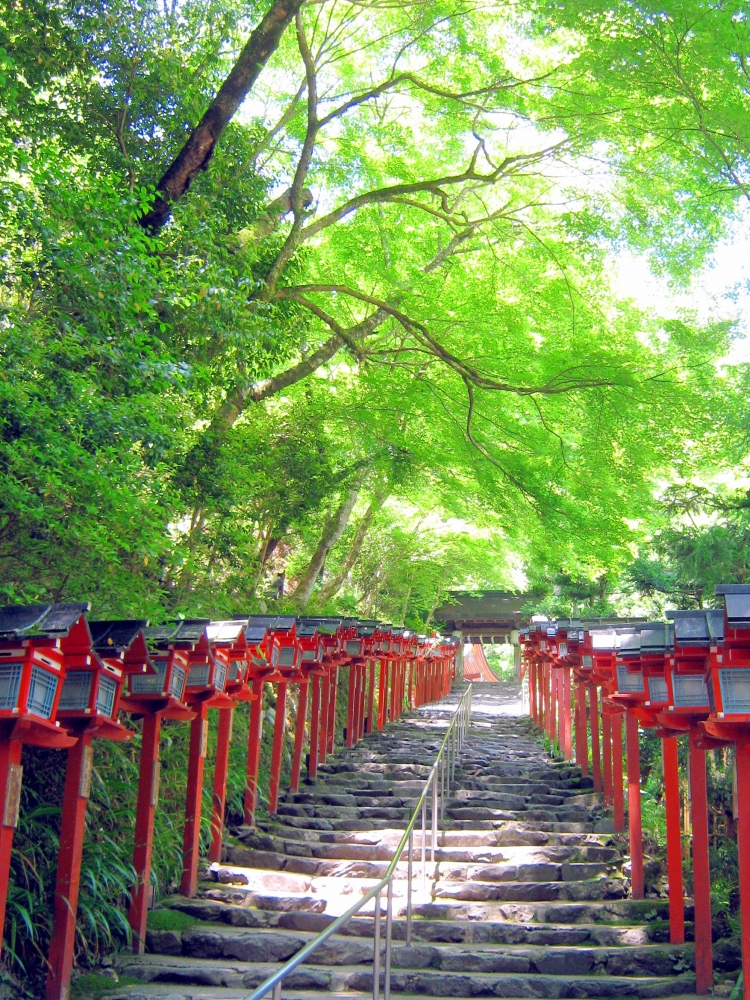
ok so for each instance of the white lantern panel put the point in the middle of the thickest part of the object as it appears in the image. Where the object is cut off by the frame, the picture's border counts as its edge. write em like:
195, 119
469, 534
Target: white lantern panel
220, 675
657, 689
735, 691
150, 683
689, 690
76, 691
629, 683
105, 696
42, 691
198, 676
177, 683
10, 683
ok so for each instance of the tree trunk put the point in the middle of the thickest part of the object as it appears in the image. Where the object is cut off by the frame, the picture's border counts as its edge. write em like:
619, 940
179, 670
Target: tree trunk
334, 584
332, 531
197, 151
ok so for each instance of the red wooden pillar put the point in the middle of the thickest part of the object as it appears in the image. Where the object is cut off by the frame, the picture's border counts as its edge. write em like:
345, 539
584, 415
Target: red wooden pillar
350, 703
582, 749
10, 792
742, 756
541, 695
634, 806
370, 698
701, 874
596, 755
253, 752
325, 697
392, 686
362, 701
618, 792
545, 697
277, 747
193, 800
312, 765
355, 705
567, 715
75, 800
221, 767
674, 840
532, 693
361, 695
333, 694
299, 736
382, 693
552, 702
148, 795
607, 753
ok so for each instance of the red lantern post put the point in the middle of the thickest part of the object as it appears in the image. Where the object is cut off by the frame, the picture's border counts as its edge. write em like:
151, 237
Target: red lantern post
32, 672
155, 697
88, 707
242, 644
729, 719
208, 669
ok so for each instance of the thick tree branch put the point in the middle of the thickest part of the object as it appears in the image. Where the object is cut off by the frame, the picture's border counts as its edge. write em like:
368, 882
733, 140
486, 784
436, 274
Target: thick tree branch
562, 382
390, 193
198, 150
300, 175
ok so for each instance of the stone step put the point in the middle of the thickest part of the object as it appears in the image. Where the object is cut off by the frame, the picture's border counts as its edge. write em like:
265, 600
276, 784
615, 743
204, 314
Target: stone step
321, 858
167, 991
233, 973
273, 944
593, 889
241, 907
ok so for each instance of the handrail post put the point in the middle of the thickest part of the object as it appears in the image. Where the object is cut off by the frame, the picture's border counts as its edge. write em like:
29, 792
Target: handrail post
434, 818
376, 952
424, 849
408, 889
277, 992
388, 933
443, 784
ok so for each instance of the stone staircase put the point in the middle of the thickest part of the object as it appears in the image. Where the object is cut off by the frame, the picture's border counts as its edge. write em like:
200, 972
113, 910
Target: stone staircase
527, 897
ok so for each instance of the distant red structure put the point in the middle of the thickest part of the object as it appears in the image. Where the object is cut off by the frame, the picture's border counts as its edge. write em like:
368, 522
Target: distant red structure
476, 667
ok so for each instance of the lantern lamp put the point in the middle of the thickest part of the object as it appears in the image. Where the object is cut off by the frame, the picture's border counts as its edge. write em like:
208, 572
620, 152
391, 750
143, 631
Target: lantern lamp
729, 662
170, 646
685, 669
36, 642
286, 651
93, 682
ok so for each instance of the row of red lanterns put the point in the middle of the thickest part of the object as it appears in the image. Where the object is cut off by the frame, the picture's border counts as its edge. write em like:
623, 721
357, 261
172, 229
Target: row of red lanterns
686, 677
64, 680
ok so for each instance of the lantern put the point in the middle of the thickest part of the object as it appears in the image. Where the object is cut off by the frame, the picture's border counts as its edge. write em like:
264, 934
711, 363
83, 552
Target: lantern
730, 661
228, 641
209, 659
32, 669
170, 647
88, 707
32, 659
259, 667
94, 681
156, 697
729, 666
286, 651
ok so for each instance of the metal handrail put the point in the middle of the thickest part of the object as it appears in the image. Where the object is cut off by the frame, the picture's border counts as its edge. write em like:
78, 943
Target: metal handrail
442, 772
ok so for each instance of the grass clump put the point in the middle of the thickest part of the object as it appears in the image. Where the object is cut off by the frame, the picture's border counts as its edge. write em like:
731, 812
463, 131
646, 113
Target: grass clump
94, 985
170, 920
